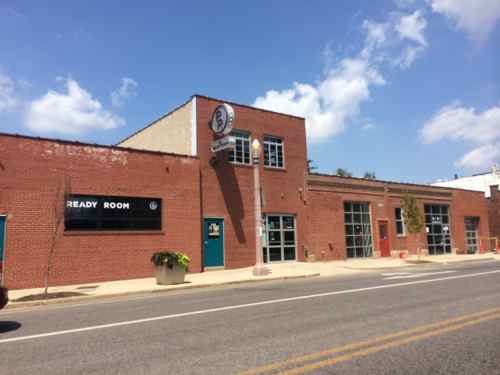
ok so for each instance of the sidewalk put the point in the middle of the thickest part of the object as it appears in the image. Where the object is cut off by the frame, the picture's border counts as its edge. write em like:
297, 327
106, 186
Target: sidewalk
279, 271
453, 258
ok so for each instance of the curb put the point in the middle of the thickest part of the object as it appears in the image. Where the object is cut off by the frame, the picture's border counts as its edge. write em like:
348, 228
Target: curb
426, 262
378, 268
16, 305
462, 260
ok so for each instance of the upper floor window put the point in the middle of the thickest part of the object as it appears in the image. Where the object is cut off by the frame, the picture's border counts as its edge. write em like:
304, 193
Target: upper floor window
241, 152
273, 152
400, 222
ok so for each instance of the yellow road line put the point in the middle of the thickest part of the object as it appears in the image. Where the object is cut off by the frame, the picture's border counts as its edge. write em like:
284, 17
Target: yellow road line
391, 344
374, 340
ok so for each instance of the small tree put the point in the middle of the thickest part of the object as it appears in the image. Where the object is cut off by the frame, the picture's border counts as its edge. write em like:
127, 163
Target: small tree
343, 172
61, 194
370, 176
414, 219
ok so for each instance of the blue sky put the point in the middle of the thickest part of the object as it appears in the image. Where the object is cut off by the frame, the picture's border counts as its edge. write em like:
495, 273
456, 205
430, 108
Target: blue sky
408, 89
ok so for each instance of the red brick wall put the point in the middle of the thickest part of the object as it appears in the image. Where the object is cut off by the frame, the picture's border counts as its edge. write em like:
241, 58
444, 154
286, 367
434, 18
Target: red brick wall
494, 211
326, 195
227, 189
30, 171
468, 203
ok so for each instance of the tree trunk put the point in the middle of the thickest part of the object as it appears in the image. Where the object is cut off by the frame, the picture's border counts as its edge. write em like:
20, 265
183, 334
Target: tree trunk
49, 265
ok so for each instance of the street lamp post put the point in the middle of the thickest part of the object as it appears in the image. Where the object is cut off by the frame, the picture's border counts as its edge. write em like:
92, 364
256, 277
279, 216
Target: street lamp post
259, 268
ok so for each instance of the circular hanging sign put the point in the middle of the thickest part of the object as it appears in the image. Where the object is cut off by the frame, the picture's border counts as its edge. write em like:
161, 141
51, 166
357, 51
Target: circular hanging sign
222, 119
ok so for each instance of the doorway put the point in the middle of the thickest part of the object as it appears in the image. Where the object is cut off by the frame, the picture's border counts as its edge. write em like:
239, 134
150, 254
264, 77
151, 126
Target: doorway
383, 238
437, 223
471, 236
213, 242
279, 238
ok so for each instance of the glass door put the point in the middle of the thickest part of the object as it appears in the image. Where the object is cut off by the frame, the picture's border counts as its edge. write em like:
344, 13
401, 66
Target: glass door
279, 238
437, 223
471, 225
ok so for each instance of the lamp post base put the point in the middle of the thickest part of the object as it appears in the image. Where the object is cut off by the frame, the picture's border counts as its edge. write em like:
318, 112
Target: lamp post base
261, 270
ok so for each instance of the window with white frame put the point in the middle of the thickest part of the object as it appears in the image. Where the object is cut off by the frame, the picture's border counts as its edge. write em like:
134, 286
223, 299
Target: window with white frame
400, 222
241, 152
273, 152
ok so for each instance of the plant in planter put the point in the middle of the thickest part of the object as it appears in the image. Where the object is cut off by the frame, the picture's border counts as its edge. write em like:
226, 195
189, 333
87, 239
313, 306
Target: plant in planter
170, 267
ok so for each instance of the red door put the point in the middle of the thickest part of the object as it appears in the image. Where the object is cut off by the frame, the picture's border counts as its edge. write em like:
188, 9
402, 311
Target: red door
383, 238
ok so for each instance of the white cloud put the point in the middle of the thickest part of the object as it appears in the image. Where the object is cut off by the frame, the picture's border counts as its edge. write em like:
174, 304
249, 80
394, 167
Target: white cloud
127, 90
458, 123
7, 95
476, 17
332, 103
329, 104
480, 158
375, 36
73, 112
412, 27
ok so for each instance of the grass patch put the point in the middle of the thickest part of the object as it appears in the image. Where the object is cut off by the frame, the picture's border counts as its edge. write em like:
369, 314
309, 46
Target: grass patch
418, 261
41, 296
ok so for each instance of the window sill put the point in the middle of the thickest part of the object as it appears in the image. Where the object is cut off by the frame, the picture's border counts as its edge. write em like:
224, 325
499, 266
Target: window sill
267, 168
112, 232
401, 235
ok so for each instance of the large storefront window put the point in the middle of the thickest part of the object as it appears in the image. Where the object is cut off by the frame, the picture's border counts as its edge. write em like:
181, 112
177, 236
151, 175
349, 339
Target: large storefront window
358, 233
471, 225
279, 238
437, 223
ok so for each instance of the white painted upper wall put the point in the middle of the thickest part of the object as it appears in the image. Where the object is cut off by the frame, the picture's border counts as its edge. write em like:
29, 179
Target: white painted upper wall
480, 182
174, 132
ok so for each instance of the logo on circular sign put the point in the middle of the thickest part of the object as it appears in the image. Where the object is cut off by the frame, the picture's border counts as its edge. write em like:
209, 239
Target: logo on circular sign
153, 205
222, 119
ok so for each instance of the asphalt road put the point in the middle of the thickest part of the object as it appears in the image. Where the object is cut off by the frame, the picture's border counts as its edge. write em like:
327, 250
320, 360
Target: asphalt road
424, 320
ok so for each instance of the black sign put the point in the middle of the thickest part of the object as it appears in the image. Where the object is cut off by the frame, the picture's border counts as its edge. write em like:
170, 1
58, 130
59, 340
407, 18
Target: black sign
95, 212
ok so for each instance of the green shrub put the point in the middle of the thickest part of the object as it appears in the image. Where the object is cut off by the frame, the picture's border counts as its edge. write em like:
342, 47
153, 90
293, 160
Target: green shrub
170, 258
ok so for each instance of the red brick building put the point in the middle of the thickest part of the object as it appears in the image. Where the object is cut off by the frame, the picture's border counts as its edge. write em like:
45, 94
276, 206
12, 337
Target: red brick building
338, 205
202, 203
33, 173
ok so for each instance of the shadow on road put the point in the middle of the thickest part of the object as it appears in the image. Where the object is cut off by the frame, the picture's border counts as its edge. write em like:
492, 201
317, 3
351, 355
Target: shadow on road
7, 326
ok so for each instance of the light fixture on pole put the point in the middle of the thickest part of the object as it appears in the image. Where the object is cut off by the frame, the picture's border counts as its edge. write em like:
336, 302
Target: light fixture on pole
259, 268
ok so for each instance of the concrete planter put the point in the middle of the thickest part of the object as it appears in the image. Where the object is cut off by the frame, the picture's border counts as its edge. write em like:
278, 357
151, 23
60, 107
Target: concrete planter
169, 276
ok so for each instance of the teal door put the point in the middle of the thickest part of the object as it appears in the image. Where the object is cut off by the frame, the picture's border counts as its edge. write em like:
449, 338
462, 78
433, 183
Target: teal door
2, 236
213, 242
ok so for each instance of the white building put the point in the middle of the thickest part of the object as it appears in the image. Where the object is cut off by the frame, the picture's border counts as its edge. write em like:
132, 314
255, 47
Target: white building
478, 182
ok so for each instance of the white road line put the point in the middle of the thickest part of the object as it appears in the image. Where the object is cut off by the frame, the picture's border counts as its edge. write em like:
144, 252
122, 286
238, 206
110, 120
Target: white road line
245, 305
417, 275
